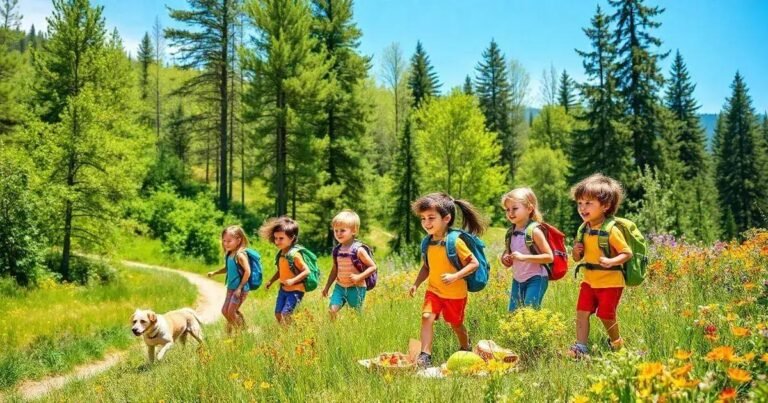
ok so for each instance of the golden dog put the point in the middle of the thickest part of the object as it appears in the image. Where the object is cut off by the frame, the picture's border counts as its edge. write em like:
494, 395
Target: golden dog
164, 330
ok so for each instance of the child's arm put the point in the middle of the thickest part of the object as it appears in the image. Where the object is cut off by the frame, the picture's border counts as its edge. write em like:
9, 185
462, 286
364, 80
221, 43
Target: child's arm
471, 266
577, 253
303, 273
220, 271
618, 244
242, 261
546, 255
331, 279
364, 257
617, 260
423, 275
274, 278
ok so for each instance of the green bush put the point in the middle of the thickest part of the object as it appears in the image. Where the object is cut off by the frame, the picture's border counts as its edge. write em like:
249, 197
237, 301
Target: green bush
81, 270
531, 333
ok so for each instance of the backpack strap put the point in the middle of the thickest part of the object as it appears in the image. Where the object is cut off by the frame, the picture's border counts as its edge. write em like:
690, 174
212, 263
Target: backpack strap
532, 225
424, 245
450, 248
335, 254
291, 255
353, 249
603, 238
508, 239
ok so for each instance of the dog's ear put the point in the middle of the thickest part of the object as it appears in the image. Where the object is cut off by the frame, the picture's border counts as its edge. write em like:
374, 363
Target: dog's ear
152, 317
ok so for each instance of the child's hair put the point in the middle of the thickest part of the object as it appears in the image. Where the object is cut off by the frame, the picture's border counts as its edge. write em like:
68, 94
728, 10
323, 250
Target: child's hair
526, 197
237, 232
606, 190
444, 204
348, 219
280, 224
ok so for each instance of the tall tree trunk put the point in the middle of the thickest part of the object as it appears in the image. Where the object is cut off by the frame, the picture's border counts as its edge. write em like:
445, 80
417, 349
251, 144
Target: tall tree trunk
281, 144
224, 104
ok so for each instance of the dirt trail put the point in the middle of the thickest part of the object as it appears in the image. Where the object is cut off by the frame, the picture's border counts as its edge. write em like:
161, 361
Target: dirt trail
210, 294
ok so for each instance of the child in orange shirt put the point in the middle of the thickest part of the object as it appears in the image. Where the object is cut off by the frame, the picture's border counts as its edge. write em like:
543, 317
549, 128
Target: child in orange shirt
284, 232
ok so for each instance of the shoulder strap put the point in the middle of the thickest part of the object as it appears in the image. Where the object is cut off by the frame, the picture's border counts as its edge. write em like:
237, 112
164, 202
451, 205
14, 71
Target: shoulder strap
603, 239
335, 254
508, 239
532, 225
450, 248
580, 233
424, 246
353, 249
290, 256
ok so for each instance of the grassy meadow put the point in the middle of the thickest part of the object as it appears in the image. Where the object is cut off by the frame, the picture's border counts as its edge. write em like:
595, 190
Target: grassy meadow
686, 340
51, 329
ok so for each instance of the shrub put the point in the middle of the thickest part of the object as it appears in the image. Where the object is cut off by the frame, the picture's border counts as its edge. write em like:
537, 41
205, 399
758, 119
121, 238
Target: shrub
531, 333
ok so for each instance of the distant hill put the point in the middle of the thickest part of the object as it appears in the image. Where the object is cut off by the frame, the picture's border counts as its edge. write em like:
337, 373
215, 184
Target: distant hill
708, 121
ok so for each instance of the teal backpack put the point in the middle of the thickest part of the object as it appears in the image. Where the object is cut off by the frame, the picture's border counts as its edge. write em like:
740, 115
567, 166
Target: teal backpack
254, 260
310, 259
635, 269
479, 278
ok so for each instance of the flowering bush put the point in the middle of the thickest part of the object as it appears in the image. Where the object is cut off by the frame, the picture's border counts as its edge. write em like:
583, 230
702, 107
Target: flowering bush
531, 332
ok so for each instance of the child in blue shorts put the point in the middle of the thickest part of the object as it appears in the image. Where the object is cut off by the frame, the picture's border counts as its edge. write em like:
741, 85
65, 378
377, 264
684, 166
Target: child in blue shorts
284, 232
352, 265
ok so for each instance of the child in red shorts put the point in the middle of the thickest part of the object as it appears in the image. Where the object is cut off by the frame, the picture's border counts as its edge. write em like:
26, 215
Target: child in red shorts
447, 291
598, 197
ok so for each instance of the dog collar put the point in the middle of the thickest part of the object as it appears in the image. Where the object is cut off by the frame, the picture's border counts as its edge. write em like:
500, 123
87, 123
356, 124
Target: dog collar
156, 332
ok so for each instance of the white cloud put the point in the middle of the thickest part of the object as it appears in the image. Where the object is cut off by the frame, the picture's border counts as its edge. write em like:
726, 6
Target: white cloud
34, 12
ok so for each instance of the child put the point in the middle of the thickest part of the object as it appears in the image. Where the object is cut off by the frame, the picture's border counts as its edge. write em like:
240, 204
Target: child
530, 277
598, 197
447, 291
284, 232
350, 282
234, 241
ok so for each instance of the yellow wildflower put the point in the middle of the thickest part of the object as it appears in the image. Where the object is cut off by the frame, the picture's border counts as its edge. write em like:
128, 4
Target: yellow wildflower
683, 355
265, 385
649, 370
739, 375
739, 331
597, 388
682, 371
248, 384
234, 376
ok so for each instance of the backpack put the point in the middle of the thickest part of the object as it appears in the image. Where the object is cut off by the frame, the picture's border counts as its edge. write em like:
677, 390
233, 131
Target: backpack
479, 278
254, 261
635, 269
556, 240
370, 281
310, 259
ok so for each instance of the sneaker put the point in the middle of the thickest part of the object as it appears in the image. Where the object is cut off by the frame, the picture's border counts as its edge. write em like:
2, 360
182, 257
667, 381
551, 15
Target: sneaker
615, 345
468, 348
424, 360
578, 351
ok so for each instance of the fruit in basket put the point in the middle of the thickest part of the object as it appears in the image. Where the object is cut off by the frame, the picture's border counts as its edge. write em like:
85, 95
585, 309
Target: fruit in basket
393, 360
463, 361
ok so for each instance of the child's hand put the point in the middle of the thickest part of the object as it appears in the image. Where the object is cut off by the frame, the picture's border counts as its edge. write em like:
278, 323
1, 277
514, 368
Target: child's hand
507, 260
578, 251
325, 292
519, 256
356, 277
449, 278
606, 262
412, 291
210, 274
288, 282
238, 292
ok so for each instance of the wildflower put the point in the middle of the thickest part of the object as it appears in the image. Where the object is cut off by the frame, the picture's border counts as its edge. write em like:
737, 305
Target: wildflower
682, 383
764, 358
234, 376
687, 313
248, 384
723, 353
749, 286
728, 394
388, 377
649, 370
597, 388
581, 399
740, 331
265, 385
739, 375
683, 355
710, 329
682, 371
749, 357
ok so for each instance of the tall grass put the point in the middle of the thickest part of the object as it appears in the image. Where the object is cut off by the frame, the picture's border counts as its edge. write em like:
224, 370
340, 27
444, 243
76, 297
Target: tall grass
53, 328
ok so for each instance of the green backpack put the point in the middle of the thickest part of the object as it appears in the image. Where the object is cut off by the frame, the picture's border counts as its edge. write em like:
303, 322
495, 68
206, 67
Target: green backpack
634, 269
310, 259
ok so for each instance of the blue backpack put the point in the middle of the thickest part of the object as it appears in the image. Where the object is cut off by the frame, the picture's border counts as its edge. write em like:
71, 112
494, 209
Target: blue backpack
254, 260
479, 278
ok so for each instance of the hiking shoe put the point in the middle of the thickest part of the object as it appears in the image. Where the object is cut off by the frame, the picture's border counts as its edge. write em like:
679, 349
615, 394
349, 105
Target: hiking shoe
468, 348
578, 351
424, 360
615, 345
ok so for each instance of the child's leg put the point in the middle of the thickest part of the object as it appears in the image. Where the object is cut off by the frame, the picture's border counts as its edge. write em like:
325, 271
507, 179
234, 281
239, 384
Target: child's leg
582, 327
462, 335
516, 296
337, 301
427, 331
608, 302
534, 292
585, 306
612, 327
334, 311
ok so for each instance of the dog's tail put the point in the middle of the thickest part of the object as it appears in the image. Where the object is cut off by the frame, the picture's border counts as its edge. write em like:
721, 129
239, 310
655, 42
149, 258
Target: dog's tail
194, 314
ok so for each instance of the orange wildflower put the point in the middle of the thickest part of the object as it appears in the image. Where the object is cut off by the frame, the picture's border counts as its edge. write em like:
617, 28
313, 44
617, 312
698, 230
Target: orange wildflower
722, 353
728, 394
739, 375
682, 371
740, 331
683, 355
649, 370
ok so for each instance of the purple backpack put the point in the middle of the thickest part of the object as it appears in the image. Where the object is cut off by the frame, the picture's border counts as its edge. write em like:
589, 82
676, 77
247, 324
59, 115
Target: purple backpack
371, 280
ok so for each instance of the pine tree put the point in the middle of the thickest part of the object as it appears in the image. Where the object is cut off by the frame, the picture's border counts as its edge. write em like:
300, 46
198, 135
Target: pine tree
93, 145
422, 81
604, 145
742, 163
680, 100
467, 87
346, 112
10, 66
406, 175
289, 92
146, 58
566, 92
494, 92
395, 75
209, 49
638, 74
10, 19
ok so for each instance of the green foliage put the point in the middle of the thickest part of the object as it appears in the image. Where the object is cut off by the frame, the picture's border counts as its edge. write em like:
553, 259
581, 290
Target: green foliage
552, 128
566, 93
742, 163
494, 92
146, 57
21, 243
422, 79
407, 190
545, 170
10, 68
461, 156
533, 333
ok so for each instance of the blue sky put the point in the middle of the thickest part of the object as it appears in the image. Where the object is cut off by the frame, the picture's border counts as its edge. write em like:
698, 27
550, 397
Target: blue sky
716, 38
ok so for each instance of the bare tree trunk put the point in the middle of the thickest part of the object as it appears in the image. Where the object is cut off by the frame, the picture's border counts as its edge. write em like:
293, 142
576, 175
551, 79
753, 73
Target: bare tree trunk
223, 104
